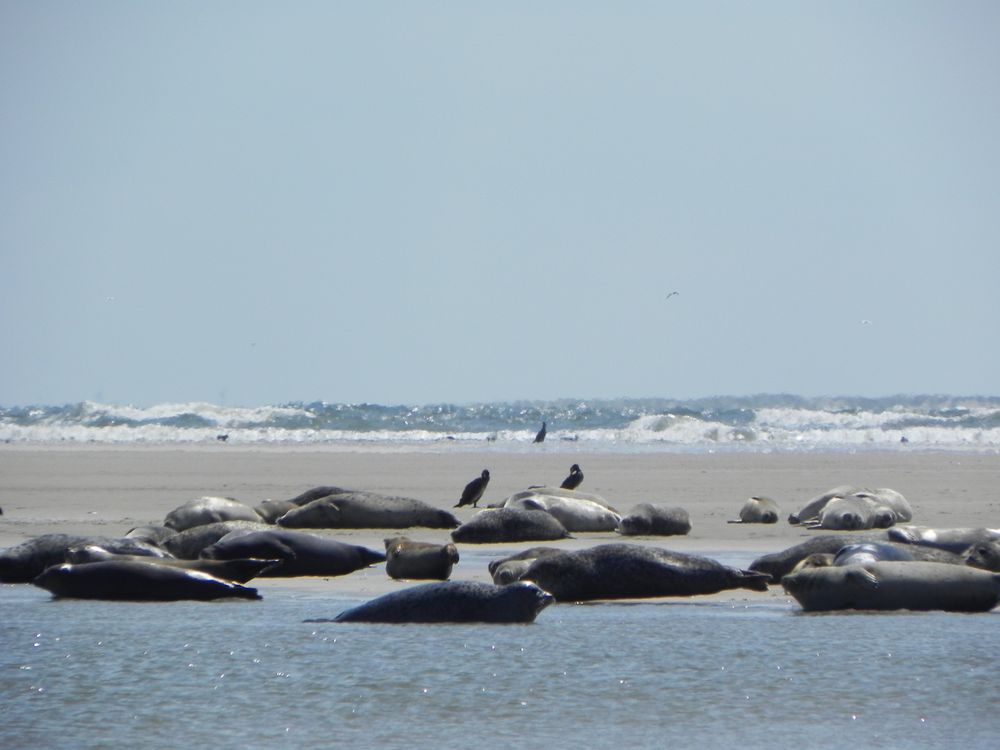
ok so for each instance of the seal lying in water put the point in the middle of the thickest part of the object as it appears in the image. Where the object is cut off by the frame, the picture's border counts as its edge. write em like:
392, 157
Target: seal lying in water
300, 553
631, 571
405, 558
205, 510
758, 510
576, 511
895, 585
646, 519
137, 581
455, 602
23, 562
350, 509
509, 525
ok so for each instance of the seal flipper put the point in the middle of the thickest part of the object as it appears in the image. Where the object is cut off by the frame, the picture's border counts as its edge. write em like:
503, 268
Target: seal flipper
863, 578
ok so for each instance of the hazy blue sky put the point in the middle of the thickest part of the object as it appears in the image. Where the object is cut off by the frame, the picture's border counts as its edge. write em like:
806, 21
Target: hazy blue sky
395, 202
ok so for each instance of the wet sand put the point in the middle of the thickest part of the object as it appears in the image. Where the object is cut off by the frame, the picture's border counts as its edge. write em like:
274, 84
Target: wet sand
106, 491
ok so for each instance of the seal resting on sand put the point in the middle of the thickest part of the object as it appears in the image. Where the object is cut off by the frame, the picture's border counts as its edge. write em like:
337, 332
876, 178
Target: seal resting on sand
509, 525
895, 585
952, 539
453, 601
985, 555
351, 509
300, 553
631, 571
405, 558
240, 571
509, 569
758, 510
137, 581
647, 519
577, 511
205, 510
23, 562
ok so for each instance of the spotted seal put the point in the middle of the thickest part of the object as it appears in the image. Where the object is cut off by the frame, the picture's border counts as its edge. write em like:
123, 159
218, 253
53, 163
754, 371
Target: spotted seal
405, 558
494, 525
300, 553
758, 509
646, 519
208, 509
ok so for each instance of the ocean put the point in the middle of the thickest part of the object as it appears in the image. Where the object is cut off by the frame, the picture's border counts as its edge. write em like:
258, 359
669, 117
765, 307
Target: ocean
661, 673
763, 423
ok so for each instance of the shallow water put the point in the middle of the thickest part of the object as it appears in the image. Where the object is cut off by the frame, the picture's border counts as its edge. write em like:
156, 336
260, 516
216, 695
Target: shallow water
713, 673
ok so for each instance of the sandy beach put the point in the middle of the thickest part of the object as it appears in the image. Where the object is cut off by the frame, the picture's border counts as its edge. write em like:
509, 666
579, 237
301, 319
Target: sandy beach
106, 491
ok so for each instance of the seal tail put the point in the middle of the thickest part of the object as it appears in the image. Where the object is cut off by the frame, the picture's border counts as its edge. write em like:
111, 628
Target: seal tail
751, 579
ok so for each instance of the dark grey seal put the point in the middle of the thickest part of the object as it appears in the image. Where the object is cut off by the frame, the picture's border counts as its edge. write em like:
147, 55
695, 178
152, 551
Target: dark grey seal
474, 490
271, 510
895, 585
647, 519
575, 478
205, 510
240, 571
300, 553
151, 534
454, 602
869, 552
632, 571
187, 545
782, 563
24, 562
352, 509
407, 559
509, 569
509, 525
137, 581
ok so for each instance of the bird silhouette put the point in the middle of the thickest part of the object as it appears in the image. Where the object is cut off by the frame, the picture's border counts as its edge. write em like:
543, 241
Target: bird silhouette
541, 434
474, 490
574, 479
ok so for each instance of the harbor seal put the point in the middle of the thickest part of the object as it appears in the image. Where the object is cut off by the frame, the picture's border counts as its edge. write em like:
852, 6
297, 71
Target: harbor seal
509, 569
405, 558
647, 519
453, 602
300, 553
576, 511
952, 539
152, 534
25, 561
509, 525
353, 509
574, 479
852, 508
758, 509
895, 585
985, 555
474, 490
778, 564
632, 571
271, 510
869, 552
208, 509
240, 571
136, 581
851, 513
187, 545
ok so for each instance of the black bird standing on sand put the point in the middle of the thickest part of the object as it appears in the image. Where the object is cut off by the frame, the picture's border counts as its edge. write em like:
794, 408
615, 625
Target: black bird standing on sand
573, 480
474, 490
541, 434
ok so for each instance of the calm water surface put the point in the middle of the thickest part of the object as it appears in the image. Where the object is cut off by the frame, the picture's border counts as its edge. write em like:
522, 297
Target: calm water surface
80, 674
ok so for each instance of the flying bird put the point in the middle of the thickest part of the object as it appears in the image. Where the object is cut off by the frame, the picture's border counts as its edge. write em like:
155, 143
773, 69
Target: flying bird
474, 490
574, 479
672, 294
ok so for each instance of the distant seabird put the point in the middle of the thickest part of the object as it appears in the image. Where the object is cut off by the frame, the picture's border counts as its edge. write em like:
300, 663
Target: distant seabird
672, 294
573, 480
474, 490
541, 434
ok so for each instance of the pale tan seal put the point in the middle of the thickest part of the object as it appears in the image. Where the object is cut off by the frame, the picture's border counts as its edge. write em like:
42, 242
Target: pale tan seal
407, 559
